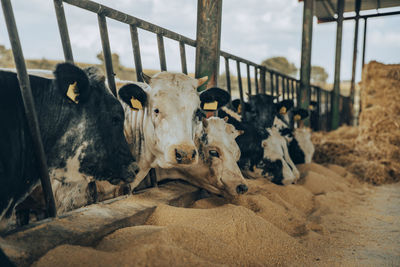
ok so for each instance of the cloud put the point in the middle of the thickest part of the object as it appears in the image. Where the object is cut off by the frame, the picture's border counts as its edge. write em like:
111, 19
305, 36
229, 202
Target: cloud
253, 29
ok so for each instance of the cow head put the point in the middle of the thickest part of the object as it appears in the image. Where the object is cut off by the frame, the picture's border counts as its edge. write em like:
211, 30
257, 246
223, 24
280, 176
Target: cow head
171, 104
260, 111
277, 162
85, 129
217, 170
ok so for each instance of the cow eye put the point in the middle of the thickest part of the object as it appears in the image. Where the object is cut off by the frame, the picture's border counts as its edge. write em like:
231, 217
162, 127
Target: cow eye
214, 153
156, 111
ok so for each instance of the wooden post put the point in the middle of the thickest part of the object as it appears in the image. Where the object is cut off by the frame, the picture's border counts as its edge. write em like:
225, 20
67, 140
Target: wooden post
208, 39
305, 68
353, 72
338, 55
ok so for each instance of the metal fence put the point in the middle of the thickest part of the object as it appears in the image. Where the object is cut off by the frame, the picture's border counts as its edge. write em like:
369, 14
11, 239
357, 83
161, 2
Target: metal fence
266, 81
274, 83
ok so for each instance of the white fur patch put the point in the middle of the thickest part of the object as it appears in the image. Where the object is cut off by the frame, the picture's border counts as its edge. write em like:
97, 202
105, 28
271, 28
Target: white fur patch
232, 113
303, 137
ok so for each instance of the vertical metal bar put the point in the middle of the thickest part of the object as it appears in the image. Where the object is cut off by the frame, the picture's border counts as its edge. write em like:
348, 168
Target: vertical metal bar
208, 39
29, 106
283, 87
305, 68
183, 57
256, 79
338, 55
240, 86
161, 52
228, 75
350, 104
136, 52
63, 29
364, 42
318, 115
277, 85
248, 79
271, 80
293, 85
105, 43
263, 88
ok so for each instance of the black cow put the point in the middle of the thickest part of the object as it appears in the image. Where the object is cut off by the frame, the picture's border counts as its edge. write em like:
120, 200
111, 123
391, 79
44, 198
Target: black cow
259, 114
81, 125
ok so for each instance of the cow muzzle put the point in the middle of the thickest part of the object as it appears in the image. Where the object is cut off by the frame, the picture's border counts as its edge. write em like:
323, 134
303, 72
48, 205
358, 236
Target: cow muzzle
184, 154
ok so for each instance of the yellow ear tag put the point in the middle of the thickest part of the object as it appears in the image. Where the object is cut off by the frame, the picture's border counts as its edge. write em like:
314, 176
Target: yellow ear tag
211, 106
283, 110
71, 93
136, 105
310, 107
297, 117
239, 110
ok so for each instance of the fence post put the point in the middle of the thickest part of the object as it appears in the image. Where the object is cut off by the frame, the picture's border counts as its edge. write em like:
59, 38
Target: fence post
350, 103
305, 68
338, 55
29, 105
208, 37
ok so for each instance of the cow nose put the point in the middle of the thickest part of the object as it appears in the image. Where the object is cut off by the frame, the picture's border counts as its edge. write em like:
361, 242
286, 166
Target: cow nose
185, 155
241, 189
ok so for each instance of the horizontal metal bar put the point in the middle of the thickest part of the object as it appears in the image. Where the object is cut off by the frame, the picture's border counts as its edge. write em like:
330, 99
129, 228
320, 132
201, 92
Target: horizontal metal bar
325, 20
128, 19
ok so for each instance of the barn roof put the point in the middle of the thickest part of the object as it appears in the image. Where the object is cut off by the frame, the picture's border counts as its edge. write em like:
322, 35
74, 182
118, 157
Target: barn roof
326, 10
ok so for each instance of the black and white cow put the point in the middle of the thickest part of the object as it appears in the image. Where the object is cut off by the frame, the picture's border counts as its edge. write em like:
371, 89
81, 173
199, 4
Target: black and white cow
259, 114
161, 117
81, 126
266, 148
299, 143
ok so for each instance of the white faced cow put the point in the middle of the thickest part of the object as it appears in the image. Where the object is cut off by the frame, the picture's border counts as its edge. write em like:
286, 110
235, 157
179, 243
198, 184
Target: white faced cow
160, 119
277, 161
217, 170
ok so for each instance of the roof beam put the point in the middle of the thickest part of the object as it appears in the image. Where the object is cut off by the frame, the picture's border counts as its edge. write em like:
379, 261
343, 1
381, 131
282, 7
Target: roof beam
324, 20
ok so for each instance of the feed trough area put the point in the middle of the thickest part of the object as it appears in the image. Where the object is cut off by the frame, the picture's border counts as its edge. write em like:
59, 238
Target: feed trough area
130, 144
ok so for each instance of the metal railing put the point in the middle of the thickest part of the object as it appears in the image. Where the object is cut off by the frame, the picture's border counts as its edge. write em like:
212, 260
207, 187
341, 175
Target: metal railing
275, 83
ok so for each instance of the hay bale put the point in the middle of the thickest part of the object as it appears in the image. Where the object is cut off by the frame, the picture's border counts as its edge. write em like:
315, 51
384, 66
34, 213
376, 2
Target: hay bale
371, 150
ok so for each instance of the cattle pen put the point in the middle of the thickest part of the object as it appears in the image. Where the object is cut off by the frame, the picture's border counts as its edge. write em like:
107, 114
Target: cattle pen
332, 109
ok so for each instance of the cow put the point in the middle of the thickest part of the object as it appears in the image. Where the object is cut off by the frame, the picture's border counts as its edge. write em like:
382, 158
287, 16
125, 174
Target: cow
267, 150
277, 163
161, 116
217, 170
259, 113
299, 143
81, 126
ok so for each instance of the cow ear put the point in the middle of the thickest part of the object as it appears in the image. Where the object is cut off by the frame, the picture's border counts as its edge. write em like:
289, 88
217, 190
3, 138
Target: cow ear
146, 78
214, 98
235, 104
284, 106
300, 114
133, 95
72, 82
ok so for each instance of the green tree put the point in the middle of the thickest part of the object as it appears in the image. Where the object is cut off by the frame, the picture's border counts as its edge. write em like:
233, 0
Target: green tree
318, 75
280, 64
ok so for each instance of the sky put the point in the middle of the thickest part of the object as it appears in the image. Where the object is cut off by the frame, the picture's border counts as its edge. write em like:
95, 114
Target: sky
252, 29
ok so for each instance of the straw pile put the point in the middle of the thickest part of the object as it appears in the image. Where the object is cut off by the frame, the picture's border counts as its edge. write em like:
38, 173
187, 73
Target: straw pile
372, 150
